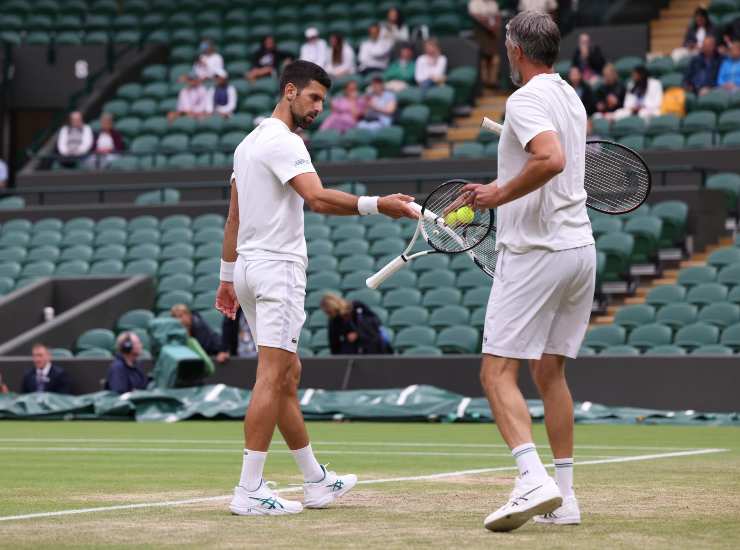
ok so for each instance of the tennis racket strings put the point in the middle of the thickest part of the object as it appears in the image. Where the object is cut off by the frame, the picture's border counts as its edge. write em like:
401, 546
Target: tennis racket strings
617, 180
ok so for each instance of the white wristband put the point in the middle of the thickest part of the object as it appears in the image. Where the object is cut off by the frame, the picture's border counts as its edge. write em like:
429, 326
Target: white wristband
367, 205
227, 271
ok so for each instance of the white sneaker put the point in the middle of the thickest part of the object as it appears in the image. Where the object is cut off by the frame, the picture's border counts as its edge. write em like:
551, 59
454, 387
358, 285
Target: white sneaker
529, 498
568, 514
321, 494
262, 502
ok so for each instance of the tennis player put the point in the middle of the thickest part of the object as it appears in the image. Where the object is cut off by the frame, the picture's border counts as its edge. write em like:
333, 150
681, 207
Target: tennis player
543, 290
263, 270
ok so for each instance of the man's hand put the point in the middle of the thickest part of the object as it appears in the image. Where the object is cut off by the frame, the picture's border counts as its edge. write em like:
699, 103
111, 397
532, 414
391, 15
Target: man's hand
397, 206
222, 356
483, 197
226, 301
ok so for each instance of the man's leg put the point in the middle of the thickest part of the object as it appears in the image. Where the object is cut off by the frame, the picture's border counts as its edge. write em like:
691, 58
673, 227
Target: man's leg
549, 376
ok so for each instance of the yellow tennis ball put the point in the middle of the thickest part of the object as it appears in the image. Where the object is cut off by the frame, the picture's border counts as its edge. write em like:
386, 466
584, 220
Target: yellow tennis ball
451, 218
465, 214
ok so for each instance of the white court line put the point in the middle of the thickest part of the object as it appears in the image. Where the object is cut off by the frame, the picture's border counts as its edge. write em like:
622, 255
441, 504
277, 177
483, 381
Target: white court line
365, 452
363, 482
236, 440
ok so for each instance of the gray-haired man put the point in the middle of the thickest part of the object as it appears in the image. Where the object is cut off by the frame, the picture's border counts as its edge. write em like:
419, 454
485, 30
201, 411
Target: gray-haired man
543, 291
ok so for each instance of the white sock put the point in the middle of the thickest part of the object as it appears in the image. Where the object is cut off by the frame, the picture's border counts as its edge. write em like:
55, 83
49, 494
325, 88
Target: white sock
310, 467
528, 461
564, 475
252, 467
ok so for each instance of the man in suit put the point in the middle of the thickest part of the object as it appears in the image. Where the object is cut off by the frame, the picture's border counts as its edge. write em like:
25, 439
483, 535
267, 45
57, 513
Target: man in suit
44, 377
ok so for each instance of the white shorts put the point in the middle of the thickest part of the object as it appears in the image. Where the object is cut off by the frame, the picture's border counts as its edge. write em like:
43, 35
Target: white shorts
272, 294
540, 303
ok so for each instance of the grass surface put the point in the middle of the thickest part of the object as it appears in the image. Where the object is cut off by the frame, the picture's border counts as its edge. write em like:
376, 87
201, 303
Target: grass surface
663, 502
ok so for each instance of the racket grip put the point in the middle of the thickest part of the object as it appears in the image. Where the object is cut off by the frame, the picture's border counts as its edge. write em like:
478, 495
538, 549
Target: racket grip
491, 126
428, 215
374, 281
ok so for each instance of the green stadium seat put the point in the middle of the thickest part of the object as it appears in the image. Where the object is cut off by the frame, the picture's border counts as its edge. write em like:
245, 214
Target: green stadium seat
618, 351
96, 338
387, 141
167, 195
674, 215
320, 247
353, 263
436, 278
696, 275
318, 319
44, 252
712, 349
14, 239
462, 79
94, 353
586, 351
443, 296
141, 251
204, 301
430, 261
17, 225
731, 139
458, 339
110, 236
669, 141
697, 334
206, 282
325, 279
45, 238
208, 235
476, 297
364, 153
632, 316
421, 351
469, 149
141, 267
729, 184
729, 121
439, 100
706, 293
472, 278
724, 256
207, 266
663, 124
142, 236
61, 353
650, 335
414, 120
721, 314
729, 275
668, 349
400, 297
176, 235
176, 265
699, 121
207, 250
72, 268
618, 248
355, 279
625, 65
700, 140
13, 254
10, 270
47, 224
143, 107
168, 299
368, 296
633, 141
106, 267
408, 316
410, 337
154, 74
152, 128
600, 337
630, 125
671, 80
448, 316
411, 95
351, 247
659, 66
37, 269
606, 224
646, 232
391, 245
134, 319
716, 100
731, 337
321, 263
401, 279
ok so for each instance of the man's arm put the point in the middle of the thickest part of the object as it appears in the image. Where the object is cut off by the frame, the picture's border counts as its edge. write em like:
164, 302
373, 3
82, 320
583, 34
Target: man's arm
331, 201
546, 161
226, 301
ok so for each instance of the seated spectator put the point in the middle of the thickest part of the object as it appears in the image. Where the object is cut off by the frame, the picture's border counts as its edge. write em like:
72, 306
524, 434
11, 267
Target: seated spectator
701, 74
314, 49
108, 142
584, 91
209, 59
644, 96
729, 71
381, 106
340, 57
236, 338
192, 100
44, 376
197, 328
3, 175
353, 327
375, 52
346, 109
486, 26
610, 94
400, 73
588, 59
222, 97
393, 29
125, 373
267, 60
699, 28
75, 140
431, 66
3, 386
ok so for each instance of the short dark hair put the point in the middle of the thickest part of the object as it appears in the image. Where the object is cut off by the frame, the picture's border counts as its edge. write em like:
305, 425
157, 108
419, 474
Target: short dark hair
37, 345
300, 73
537, 35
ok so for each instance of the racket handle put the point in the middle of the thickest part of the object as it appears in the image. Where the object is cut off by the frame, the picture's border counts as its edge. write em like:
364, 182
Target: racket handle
491, 126
428, 215
374, 281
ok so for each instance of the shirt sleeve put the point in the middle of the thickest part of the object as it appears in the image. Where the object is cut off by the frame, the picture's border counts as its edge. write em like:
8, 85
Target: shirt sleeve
289, 158
528, 117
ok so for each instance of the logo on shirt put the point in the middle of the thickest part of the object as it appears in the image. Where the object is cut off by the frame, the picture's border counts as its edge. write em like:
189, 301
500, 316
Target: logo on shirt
302, 161
294, 340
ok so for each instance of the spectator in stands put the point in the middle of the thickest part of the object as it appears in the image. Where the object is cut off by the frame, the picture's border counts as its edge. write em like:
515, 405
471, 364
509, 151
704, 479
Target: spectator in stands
644, 96
210, 60
236, 338
197, 328
44, 376
108, 142
268, 60
400, 74
75, 140
701, 74
3, 175
125, 373
353, 327
588, 58
584, 91
610, 95
314, 49
431, 66
375, 52
729, 70
381, 106
486, 26
192, 100
340, 57
222, 97
393, 29
3, 386
346, 109
697, 31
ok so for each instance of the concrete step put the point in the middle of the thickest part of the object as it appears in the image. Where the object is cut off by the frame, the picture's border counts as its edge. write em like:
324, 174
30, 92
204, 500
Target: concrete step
436, 153
466, 133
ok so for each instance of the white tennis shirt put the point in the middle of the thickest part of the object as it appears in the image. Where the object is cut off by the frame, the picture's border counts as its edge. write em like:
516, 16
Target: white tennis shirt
554, 216
270, 210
